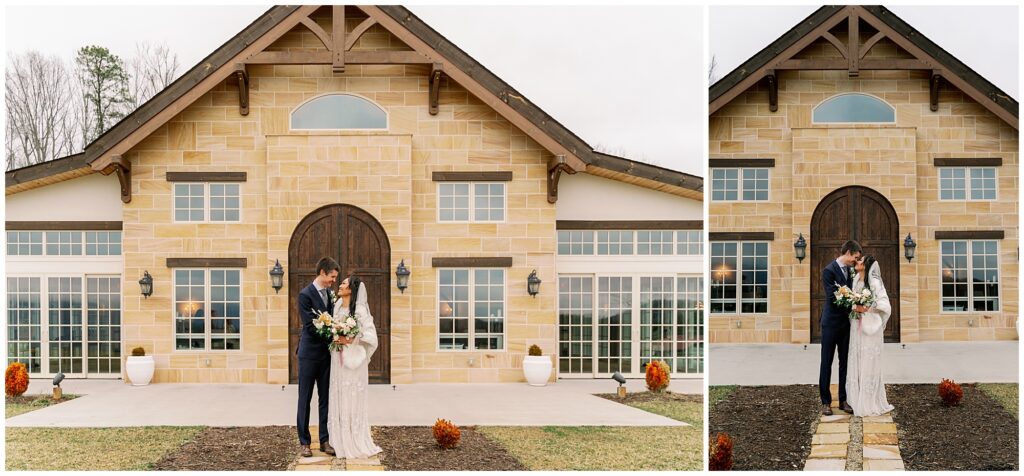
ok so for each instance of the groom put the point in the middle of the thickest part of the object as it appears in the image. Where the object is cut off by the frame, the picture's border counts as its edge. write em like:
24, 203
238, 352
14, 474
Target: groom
314, 357
835, 325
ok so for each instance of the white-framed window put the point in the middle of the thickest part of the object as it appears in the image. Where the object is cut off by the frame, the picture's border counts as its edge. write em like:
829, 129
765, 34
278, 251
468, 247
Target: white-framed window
471, 308
24, 311
24, 243
576, 242
63, 243
690, 242
970, 275
103, 324
689, 324
471, 201
207, 202
967, 183
338, 111
739, 277
853, 108
576, 324
102, 243
739, 184
610, 243
654, 242
207, 309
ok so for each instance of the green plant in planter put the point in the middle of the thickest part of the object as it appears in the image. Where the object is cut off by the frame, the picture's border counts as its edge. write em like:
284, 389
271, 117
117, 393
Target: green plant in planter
535, 351
138, 352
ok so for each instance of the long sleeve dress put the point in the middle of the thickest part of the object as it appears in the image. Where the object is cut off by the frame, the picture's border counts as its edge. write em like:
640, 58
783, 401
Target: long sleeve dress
865, 390
347, 416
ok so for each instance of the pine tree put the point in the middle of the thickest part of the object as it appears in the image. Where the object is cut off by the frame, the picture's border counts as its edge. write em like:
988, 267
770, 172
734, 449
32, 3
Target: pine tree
104, 82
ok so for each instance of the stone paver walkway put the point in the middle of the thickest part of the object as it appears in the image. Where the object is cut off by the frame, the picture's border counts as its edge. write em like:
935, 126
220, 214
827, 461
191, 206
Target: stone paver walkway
831, 440
321, 461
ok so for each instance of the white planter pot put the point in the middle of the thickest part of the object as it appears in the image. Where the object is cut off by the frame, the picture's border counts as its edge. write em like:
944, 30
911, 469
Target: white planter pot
537, 369
140, 369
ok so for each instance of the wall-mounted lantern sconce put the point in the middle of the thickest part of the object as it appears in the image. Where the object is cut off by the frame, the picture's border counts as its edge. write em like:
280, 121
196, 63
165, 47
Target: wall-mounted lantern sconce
801, 248
402, 275
277, 276
146, 284
909, 247
533, 284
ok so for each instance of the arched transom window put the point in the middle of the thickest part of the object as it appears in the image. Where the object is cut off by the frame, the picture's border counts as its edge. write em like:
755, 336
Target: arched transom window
339, 111
854, 107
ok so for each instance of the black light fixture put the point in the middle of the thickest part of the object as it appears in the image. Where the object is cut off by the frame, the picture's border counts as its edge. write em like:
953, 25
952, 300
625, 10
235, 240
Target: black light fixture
146, 284
277, 276
402, 274
801, 248
909, 247
533, 284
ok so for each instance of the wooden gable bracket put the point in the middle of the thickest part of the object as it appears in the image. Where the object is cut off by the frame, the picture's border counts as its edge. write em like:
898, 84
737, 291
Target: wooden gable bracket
242, 77
773, 91
123, 168
556, 166
435, 87
933, 90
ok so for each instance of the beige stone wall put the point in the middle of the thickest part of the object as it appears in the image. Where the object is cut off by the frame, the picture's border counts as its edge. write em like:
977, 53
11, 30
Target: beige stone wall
387, 174
745, 128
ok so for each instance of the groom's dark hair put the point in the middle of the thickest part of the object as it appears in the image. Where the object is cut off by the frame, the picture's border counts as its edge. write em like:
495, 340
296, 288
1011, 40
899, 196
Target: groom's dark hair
851, 246
326, 265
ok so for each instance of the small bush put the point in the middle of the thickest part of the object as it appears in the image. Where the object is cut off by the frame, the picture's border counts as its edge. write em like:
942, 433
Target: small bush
657, 375
446, 434
138, 352
16, 379
535, 350
950, 392
720, 453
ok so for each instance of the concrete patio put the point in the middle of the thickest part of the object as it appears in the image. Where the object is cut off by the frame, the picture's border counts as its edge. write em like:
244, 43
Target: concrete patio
111, 403
925, 362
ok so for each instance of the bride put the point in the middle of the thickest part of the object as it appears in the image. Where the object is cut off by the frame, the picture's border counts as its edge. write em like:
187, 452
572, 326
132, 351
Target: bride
865, 390
347, 419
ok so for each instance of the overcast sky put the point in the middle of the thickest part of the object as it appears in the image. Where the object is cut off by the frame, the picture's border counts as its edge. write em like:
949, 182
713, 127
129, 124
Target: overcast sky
600, 71
985, 38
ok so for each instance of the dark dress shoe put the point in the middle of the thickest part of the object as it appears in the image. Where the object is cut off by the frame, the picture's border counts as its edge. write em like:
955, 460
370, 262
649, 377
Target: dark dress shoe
326, 448
846, 407
826, 409
306, 452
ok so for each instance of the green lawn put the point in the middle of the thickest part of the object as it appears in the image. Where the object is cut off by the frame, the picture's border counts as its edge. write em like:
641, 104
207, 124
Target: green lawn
1004, 393
606, 448
93, 449
25, 403
718, 393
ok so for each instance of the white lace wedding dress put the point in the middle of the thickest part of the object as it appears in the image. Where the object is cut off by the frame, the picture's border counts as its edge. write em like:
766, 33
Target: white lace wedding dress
865, 390
347, 417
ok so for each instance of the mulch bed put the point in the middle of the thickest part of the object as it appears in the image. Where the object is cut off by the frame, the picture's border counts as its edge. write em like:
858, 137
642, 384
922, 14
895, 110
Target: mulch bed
770, 426
268, 448
642, 397
413, 448
976, 435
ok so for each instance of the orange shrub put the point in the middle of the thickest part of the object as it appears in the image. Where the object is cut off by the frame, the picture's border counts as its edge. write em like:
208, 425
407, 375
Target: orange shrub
720, 453
16, 379
657, 376
446, 434
950, 392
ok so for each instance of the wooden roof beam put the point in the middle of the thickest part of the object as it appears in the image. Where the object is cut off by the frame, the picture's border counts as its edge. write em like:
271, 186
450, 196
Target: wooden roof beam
327, 57
338, 39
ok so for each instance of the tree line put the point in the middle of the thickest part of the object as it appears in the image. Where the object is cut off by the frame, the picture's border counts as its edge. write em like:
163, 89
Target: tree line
54, 109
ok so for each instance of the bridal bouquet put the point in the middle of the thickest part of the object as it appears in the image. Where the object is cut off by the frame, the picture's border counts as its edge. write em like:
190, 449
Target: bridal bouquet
329, 328
845, 297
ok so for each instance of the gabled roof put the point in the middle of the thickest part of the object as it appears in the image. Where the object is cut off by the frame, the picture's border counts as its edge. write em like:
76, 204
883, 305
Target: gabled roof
986, 93
503, 98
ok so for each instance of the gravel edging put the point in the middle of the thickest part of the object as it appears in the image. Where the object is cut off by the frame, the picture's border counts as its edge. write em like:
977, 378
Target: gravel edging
855, 448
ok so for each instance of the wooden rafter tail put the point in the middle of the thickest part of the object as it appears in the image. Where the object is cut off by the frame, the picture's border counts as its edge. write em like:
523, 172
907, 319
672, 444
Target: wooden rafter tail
337, 39
933, 90
242, 77
435, 87
853, 50
773, 91
556, 166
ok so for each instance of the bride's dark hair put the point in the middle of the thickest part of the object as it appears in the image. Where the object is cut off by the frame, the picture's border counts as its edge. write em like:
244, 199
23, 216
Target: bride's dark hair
868, 262
354, 283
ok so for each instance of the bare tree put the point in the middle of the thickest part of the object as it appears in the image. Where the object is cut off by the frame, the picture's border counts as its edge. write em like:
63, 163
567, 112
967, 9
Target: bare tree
712, 74
40, 110
150, 71
620, 151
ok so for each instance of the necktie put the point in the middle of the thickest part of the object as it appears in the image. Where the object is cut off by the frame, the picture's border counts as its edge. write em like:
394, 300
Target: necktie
323, 295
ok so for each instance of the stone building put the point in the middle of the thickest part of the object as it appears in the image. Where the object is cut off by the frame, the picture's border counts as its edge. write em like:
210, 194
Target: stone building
854, 125
363, 134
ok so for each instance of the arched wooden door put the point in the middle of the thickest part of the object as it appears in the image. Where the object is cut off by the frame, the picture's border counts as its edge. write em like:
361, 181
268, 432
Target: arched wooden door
862, 214
358, 242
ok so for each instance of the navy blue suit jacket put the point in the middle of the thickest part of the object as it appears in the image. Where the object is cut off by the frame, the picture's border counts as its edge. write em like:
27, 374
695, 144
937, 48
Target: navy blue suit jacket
833, 316
311, 346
